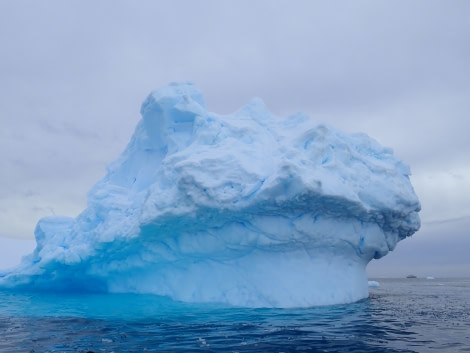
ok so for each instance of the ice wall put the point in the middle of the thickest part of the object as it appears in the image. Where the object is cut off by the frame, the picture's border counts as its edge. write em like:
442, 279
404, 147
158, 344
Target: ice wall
248, 209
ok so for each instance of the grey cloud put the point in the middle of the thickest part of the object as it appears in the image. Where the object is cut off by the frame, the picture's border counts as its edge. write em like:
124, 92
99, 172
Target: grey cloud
68, 129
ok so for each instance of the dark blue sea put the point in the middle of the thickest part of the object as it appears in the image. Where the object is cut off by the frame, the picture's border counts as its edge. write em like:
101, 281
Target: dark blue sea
402, 315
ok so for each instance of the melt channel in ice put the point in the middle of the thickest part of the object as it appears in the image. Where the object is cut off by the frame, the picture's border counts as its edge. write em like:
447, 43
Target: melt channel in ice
247, 209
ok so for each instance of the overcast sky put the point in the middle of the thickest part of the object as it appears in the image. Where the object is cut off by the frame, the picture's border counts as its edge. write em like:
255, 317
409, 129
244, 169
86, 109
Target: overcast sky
74, 73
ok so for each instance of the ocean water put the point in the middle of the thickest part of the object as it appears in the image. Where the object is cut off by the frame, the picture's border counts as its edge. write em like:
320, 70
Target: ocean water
402, 315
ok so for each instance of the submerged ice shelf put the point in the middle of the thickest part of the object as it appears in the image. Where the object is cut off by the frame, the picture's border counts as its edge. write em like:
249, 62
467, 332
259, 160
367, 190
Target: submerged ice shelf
247, 209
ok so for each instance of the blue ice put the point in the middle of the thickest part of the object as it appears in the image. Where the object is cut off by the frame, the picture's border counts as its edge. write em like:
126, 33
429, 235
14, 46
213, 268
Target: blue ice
247, 209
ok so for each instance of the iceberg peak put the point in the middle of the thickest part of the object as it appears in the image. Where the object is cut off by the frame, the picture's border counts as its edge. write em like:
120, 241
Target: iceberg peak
247, 209
168, 115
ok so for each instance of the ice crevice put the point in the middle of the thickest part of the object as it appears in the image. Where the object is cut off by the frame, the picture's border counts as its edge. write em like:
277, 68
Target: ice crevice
247, 209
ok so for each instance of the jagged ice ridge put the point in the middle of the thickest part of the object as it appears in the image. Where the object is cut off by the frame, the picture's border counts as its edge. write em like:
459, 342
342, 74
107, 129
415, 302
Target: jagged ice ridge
247, 209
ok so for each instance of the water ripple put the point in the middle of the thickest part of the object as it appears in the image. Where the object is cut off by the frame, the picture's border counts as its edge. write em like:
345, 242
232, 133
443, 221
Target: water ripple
399, 316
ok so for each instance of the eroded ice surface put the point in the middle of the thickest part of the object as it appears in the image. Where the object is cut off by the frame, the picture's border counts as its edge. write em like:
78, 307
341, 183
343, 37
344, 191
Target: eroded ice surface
248, 209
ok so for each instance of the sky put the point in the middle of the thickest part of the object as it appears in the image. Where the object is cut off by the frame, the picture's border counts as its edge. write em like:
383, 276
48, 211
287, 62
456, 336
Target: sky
74, 74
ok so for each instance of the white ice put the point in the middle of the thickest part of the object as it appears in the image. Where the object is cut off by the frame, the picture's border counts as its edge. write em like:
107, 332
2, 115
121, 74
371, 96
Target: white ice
247, 209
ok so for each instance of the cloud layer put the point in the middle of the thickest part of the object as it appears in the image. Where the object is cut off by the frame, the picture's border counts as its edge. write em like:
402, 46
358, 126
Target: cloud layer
75, 73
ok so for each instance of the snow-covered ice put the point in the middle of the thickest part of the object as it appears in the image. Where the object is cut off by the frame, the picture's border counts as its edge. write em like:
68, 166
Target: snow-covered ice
247, 209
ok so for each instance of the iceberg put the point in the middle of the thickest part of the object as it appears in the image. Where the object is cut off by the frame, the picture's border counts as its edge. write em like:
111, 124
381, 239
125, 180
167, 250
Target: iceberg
247, 209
